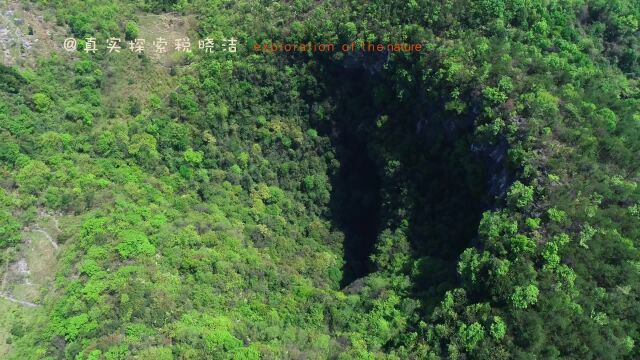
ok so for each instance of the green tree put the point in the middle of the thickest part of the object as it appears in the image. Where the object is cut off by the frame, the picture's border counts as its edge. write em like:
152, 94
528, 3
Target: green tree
131, 30
498, 328
524, 296
134, 243
33, 178
520, 195
471, 335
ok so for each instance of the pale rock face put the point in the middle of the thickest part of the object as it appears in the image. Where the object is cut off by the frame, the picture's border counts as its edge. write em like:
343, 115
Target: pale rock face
20, 267
17, 46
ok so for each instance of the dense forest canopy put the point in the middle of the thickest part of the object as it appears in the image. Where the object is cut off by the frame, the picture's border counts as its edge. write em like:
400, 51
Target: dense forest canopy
475, 199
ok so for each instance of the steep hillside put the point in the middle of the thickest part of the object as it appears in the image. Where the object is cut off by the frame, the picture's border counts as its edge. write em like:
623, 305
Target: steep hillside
477, 199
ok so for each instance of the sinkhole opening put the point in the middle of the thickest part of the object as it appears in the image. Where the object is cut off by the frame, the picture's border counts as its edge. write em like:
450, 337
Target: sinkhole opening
410, 164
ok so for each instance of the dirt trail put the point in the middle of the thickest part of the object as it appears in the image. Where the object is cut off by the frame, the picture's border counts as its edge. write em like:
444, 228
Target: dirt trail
56, 225
36, 259
46, 234
21, 302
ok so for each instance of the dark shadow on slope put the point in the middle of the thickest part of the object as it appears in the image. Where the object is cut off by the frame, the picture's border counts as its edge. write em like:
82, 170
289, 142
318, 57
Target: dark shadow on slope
356, 204
355, 199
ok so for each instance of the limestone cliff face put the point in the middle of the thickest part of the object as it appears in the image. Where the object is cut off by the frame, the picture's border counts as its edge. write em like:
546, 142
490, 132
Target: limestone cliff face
495, 159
